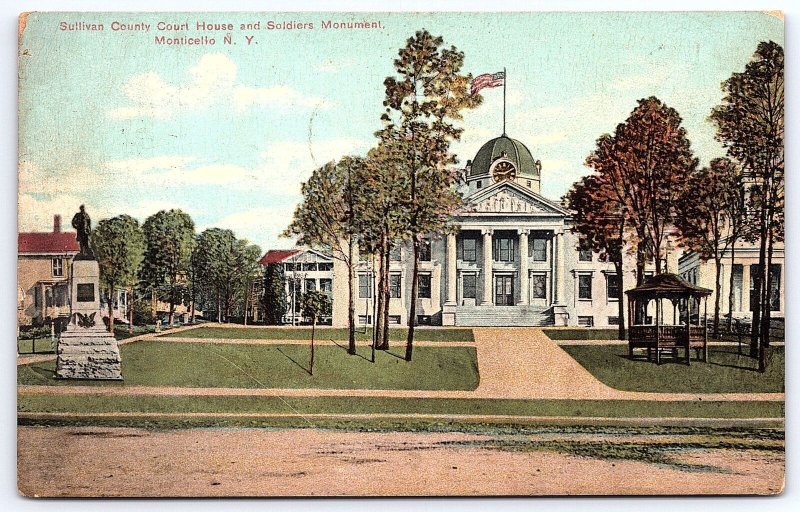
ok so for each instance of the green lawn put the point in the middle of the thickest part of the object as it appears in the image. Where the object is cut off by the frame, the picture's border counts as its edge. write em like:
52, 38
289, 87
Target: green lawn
161, 363
726, 372
43, 346
582, 334
327, 333
365, 405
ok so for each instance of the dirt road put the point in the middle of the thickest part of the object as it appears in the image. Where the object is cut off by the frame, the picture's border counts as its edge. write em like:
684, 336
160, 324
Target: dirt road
253, 462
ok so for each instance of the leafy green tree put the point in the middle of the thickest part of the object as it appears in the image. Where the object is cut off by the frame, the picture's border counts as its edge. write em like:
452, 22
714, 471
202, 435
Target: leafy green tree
750, 123
118, 244
328, 218
274, 299
708, 207
314, 306
646, 162
599, 220
169, 239
422, 101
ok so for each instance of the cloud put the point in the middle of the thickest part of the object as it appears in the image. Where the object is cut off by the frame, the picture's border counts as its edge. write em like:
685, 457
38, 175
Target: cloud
211, 81
547, 138
140, 165
333, 65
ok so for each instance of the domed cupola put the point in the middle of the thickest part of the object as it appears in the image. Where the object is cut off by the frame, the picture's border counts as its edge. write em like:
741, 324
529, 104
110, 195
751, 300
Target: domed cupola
501, 159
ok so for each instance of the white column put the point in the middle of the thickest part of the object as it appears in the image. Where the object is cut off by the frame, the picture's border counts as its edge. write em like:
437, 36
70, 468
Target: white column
451, 269
488, 299
524, 296
558, 263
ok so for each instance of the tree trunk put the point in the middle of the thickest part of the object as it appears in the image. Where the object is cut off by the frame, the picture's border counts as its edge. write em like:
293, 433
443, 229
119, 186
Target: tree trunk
620, 297
387, 299
311, 357
758, 283
378, 296
412, 314
717, 292
731, 296
351, 304
111, 311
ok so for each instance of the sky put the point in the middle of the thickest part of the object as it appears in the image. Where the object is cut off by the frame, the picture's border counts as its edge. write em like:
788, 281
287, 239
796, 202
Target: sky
228, 133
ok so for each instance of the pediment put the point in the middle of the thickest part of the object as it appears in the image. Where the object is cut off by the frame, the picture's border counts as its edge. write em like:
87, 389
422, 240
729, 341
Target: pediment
512, 199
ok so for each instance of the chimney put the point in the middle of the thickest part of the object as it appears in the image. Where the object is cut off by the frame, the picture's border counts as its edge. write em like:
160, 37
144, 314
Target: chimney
56, 223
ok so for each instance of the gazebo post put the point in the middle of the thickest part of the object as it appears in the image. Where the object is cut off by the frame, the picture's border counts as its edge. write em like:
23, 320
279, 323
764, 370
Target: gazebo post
705, 329
658, 328
630, 323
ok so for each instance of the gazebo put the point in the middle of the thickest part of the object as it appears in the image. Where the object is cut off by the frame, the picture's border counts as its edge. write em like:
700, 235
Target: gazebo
687, 328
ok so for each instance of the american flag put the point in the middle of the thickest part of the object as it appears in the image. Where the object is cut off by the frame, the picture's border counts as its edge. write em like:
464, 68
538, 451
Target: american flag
487, 80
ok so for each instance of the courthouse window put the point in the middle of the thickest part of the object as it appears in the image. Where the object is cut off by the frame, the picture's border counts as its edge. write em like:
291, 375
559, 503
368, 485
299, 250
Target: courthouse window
584, 255
503, 249
424, 291
585, 286
538, 249
469, 282
425, 250
539, 286
394, 253
394, 286
468, 249
612, 286
364, 286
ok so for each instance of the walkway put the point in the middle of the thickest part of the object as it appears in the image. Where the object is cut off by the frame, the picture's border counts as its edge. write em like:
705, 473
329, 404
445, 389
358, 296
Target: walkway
520, 363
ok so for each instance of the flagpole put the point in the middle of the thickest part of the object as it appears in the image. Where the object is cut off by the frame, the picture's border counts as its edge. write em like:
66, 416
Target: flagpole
505, 79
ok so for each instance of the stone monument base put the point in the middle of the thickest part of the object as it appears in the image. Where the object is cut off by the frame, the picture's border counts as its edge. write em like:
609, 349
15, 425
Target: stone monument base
88, 354
86, 350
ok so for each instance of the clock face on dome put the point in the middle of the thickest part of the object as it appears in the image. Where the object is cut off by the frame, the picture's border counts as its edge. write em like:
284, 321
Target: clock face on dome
504, 170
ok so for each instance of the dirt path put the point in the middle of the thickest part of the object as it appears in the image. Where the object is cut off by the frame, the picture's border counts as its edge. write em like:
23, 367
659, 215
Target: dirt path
244, 462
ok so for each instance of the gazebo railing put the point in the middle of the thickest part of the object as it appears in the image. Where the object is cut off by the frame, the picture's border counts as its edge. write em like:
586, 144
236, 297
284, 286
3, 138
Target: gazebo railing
667, 334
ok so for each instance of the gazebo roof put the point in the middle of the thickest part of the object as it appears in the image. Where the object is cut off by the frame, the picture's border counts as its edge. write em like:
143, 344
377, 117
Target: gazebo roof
667, 285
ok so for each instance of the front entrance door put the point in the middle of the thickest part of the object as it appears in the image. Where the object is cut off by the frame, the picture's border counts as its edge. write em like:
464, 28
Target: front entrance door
504, 290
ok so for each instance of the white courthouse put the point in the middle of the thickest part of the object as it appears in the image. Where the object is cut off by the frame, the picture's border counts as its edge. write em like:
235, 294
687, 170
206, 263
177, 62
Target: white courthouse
511, 260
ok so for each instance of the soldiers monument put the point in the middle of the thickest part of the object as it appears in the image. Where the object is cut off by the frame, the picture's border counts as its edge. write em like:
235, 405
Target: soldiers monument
86, 350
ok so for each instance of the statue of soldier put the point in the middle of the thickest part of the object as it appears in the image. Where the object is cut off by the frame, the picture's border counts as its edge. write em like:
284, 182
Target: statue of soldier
83, 225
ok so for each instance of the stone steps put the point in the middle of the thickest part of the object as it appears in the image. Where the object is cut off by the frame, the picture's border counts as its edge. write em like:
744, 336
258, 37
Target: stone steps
500, 316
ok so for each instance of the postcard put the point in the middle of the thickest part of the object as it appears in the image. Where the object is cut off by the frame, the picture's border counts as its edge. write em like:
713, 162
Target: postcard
400, 254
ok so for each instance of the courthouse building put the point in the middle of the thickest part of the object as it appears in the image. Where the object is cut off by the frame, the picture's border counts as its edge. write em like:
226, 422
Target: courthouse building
511, 260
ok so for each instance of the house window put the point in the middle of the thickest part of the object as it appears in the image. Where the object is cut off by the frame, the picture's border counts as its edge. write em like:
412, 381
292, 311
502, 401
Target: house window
309, 267
326, 286
394, 319
539, 286
394, 286
364, 286
479, 184
425, 250
395, 253
613, 320
504, 249
58, 267
325, 267
469, 286
311, 285
529, 183
612, 287
585, 286
365, 319
424, 291
586, 321
538, 249
469, 249
585, 255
